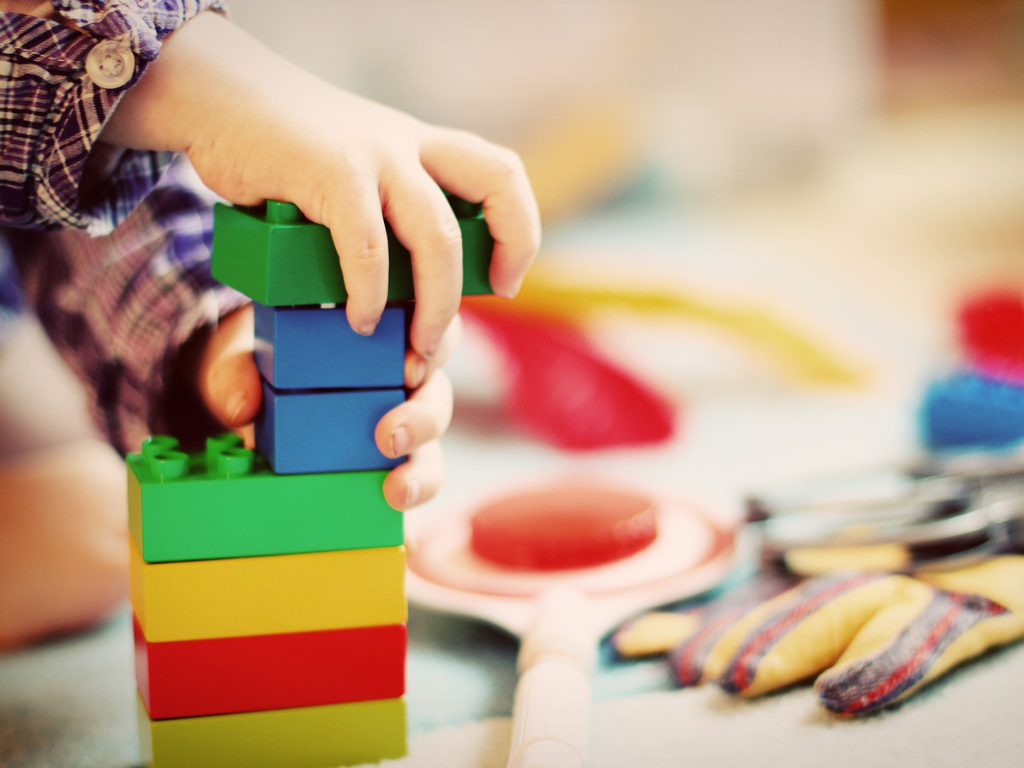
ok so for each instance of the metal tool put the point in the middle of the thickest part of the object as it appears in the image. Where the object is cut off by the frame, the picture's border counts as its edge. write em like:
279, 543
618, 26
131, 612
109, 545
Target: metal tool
942, 512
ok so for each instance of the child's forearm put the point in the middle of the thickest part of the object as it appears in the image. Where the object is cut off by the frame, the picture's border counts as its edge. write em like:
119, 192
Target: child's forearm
207, 71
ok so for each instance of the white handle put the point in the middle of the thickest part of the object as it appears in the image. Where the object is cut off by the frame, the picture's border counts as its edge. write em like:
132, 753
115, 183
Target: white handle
551, 710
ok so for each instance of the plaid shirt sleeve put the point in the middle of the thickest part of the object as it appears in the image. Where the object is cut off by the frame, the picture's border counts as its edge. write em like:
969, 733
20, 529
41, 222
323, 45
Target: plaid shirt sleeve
51, 111
119, 307
119, 276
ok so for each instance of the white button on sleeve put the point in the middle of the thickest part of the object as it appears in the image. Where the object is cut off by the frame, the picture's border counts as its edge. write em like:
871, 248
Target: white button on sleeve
110, 64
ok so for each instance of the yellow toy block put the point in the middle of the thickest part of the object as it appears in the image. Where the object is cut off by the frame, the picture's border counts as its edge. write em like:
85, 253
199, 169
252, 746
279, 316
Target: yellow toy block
306, 737
268, 595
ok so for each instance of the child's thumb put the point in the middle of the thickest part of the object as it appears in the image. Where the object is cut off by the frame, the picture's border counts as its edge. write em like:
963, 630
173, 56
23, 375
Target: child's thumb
233, 392
229, 381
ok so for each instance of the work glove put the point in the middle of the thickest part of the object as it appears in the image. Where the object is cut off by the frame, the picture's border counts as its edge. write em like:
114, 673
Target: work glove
872, 639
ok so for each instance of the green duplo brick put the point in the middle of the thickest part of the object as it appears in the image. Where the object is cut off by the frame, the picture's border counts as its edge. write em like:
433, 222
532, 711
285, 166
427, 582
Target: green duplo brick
226, 502
307, 737
276, 257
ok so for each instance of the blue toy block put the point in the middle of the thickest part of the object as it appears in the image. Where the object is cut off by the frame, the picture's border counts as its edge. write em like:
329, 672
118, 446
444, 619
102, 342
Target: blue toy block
970, 411
302, 431
315, 348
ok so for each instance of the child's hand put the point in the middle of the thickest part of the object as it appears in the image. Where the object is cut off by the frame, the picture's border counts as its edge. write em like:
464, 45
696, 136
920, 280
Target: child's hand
229, 385
257, 127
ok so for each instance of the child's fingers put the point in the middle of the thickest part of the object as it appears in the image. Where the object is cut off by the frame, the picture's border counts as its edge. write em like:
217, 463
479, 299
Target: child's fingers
417, 480
419, 420
353, 214
424, 223
418, 368
479, 171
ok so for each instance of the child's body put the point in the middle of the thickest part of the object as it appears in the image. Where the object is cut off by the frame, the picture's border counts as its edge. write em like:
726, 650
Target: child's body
157, 344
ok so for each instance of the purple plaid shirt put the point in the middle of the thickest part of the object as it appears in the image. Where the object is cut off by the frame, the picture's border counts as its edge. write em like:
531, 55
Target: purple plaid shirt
119, 275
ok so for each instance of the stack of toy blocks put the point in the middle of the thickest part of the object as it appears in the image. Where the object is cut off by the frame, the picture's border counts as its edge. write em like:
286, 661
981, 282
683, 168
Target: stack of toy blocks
268, 585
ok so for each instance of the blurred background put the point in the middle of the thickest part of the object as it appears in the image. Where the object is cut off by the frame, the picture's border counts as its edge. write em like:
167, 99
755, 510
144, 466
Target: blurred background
713, 97
712, 94
845, 171
868, 122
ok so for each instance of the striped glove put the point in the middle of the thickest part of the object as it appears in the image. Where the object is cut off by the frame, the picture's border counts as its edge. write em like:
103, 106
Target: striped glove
871, 639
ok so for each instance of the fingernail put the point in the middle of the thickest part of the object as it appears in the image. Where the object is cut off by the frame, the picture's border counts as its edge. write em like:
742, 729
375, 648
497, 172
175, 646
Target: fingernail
417, 372
235, 405
412, 492
399, 442
366, 329
512, 291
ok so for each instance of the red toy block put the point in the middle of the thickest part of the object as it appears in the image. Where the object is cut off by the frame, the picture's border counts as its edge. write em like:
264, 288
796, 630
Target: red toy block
188, 678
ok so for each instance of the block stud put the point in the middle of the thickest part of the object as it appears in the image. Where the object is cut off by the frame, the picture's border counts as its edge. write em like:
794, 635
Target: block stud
220, 443
162, 458
283, 213
158, 444
168, 465
233, 462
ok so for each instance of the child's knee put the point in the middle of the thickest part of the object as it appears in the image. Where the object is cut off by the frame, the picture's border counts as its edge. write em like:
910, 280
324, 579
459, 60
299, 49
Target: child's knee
63, 541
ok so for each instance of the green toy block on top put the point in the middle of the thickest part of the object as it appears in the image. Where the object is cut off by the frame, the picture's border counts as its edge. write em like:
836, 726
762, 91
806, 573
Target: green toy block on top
275, 256
226, 502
